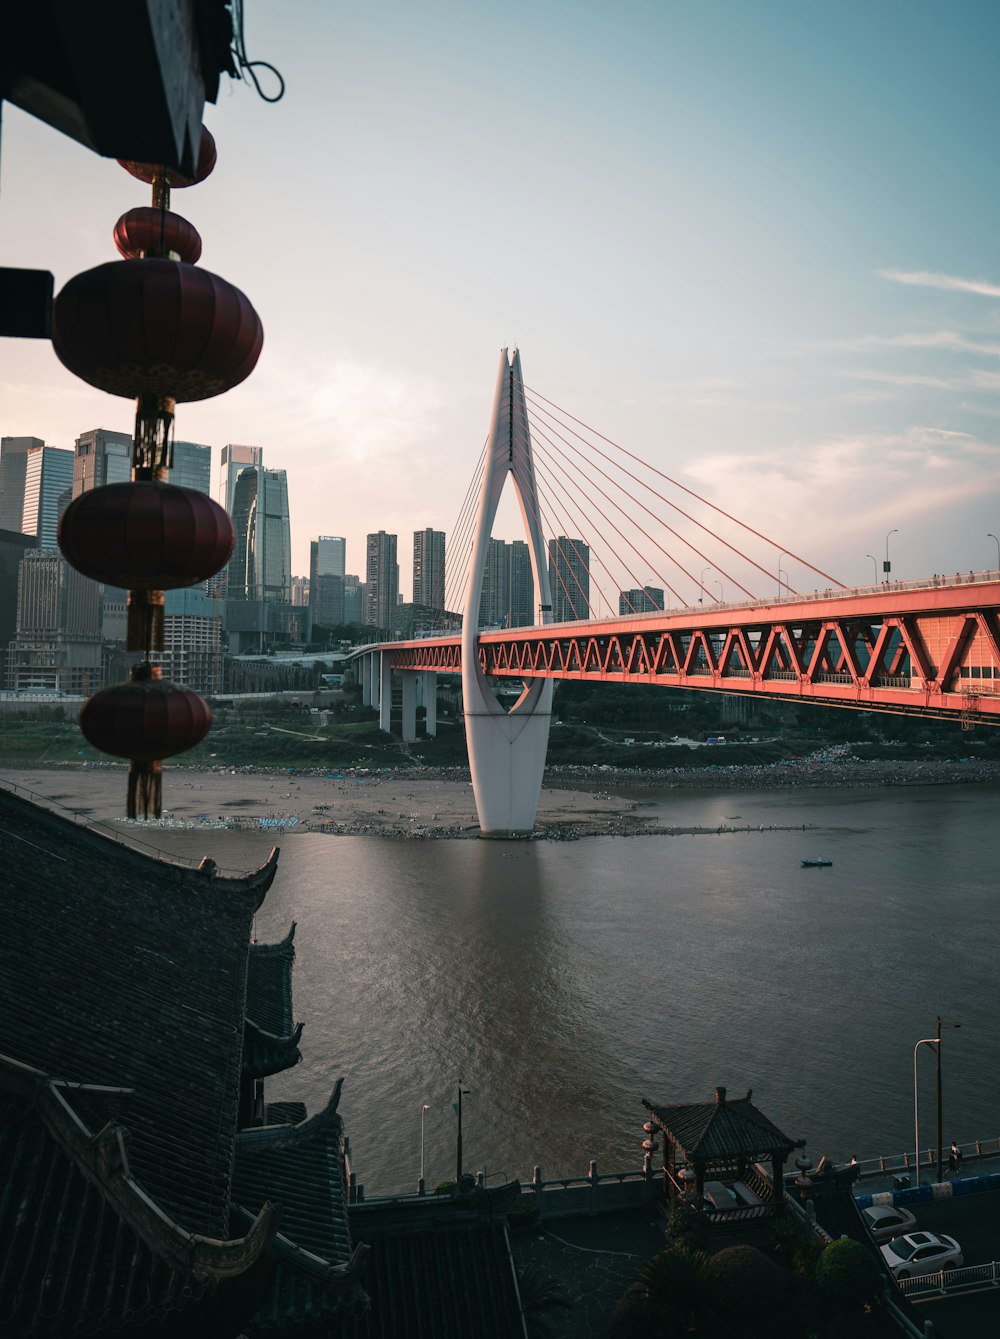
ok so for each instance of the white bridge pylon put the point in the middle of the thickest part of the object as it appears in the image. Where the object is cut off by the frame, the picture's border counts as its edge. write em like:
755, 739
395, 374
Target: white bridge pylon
506, 748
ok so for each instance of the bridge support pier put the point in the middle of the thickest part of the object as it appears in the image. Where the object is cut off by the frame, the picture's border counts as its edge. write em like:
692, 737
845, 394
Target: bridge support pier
410, 683
384, 691
506, 749
430, 703
365, 675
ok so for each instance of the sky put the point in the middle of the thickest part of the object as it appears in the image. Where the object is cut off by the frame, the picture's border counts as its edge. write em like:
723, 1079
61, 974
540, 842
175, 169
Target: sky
756, 243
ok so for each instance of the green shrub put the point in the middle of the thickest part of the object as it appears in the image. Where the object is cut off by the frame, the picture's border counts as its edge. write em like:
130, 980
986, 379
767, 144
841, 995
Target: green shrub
446, 1188
687, 1227
748, 1281
847, 1273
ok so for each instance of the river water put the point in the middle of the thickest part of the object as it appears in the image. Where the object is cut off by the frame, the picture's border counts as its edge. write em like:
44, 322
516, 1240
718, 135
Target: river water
565, 981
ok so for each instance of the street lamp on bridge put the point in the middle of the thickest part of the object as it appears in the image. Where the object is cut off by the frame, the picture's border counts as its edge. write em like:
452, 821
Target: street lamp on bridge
701, 584
997, 541
935, 1044
780, 556
887, 566
719, 584
875, 564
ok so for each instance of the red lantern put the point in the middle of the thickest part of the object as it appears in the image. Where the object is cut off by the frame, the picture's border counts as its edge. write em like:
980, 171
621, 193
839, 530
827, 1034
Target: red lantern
156, 328
156, 172
147, 537
157, 233
150, 536
145, 720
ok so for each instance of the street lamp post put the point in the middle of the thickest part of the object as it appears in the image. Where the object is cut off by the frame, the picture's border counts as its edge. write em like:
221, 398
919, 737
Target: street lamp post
997, 541
887, 566
935, 1044
719, 584
462, 1092
781, 573
875, 563
701, 585
423, 1111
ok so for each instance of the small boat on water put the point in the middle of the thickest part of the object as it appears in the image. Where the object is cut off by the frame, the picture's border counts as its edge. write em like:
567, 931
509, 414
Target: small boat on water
816, 864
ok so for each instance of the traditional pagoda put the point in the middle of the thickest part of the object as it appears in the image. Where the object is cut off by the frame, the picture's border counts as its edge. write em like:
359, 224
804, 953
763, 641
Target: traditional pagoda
146, 1188
711, 1150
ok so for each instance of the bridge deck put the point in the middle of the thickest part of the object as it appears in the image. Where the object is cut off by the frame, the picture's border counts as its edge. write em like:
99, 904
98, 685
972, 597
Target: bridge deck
930, 647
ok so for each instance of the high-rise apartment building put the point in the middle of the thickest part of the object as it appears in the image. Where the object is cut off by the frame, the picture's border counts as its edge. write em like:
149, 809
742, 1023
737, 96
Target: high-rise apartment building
649, 600
13, 459
58, 641
48, 484
261, 566
569, 579
300, 592
102, 457
428, 568
381, 580
354, 599
234, 459
521, 586
508, 596
13, 545
327, 568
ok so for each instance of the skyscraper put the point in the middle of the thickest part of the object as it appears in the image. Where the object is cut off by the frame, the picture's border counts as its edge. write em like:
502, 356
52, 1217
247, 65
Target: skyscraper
428, 568
495, 597
569, 579
58, 641
646, 601
48, 482
192, 466
234, 459
327, 567
13, 459
521, 586
261, 566
381, 580
102, 457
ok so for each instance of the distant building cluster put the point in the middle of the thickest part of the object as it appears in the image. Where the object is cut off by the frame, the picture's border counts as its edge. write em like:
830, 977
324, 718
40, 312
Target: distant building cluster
60, 632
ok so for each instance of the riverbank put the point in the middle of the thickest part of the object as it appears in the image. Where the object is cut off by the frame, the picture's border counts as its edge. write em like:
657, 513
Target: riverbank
427, 803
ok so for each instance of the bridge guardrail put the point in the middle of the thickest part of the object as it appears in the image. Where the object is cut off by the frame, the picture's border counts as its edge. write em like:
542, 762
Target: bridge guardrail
951, 1282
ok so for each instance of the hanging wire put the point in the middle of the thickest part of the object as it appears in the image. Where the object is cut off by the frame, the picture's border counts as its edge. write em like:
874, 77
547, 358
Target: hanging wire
248, 68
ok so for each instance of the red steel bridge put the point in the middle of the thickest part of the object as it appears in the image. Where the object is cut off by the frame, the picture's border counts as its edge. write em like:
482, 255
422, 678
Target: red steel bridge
929, 648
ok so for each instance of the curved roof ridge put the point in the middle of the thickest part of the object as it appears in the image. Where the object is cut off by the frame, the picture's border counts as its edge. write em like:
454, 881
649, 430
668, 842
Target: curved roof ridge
281, 948
102, 1158
264, 1138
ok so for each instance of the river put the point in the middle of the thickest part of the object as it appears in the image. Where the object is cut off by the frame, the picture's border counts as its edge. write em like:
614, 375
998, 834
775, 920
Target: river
565, 981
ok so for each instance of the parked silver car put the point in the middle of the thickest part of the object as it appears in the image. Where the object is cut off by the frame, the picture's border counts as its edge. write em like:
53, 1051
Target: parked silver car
921, 1253
885, 1221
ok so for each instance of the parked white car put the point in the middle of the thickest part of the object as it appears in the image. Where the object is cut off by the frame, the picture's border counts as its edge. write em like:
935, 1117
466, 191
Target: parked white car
885, 1221
921, 1253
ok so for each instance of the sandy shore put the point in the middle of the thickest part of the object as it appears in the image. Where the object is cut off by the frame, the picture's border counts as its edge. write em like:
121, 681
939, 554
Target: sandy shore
575, 802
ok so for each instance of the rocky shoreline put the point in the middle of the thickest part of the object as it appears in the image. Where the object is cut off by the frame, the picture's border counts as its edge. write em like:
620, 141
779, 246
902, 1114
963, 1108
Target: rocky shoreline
421, 803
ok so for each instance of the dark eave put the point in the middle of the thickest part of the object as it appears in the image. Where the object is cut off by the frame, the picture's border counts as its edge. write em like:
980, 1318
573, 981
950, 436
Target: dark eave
136, 978
126, 78
86, 1249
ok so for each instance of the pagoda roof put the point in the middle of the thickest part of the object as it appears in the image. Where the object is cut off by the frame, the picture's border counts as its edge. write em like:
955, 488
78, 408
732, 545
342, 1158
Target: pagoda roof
271, 1042
726, 1128
301, 1167
121, 970
86, 1250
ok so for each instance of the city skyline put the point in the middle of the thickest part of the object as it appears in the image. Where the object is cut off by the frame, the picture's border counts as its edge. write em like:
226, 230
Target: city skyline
755, 245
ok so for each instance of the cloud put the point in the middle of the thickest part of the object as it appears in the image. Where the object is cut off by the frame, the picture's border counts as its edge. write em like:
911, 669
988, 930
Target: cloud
951, 282
935, 339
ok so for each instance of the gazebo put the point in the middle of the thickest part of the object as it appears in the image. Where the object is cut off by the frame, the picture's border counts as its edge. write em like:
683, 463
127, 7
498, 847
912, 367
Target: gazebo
711, 1151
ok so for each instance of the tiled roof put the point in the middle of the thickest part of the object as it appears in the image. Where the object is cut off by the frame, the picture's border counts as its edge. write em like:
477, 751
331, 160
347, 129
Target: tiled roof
271, 1042
725, 1128
135, 976
84, 1249
448, 1277
301, 1168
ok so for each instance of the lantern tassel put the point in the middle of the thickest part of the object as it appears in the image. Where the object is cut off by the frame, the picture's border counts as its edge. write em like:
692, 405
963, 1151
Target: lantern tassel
144, 631
145, 788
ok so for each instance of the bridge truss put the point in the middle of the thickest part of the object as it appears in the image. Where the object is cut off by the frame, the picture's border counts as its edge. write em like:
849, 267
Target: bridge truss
928, 648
